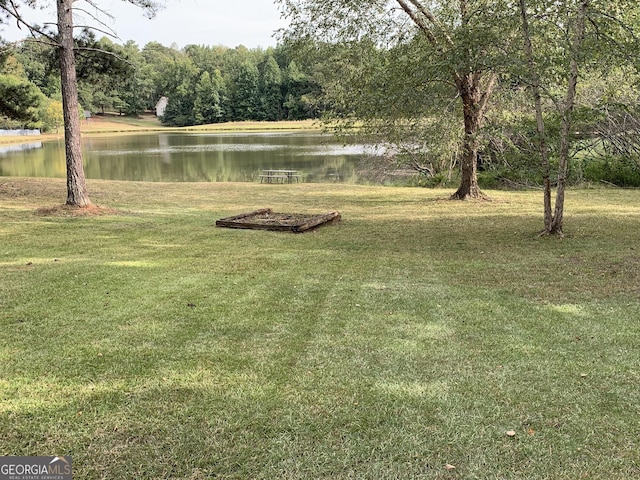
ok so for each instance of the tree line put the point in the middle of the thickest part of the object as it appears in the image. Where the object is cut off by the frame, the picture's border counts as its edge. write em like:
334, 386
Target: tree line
204, 84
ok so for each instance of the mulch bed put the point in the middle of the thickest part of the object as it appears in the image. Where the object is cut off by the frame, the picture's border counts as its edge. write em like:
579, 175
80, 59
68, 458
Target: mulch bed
267, 219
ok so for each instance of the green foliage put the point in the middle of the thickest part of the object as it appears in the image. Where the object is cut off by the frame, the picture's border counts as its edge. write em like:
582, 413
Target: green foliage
137, 87
243, 95
208, 102
40, 63
245, 84
5, 51
270, 90
300, 94
619, 171
181, 80
20, 99
604, 141
51, 115
19, 102
100, 70
394, 96
242, 84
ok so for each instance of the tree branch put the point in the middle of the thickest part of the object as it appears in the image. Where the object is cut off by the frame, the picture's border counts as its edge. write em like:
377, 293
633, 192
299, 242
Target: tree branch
91, 27
419, 21
421, 16
103, 51
95, 18
15, 14
484, 98
432, 18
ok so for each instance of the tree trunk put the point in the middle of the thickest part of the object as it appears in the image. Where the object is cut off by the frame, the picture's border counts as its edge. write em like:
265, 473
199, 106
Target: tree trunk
542, 137
473, 106
76, 184
469, 86
567, 113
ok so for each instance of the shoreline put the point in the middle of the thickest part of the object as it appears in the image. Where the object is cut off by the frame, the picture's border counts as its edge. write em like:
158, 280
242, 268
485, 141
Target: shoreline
98, 126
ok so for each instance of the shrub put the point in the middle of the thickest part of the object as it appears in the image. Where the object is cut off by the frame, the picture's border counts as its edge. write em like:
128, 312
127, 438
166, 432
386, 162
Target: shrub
620, 171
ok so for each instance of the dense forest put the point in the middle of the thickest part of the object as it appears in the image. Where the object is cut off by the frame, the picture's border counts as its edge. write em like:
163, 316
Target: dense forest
203, 84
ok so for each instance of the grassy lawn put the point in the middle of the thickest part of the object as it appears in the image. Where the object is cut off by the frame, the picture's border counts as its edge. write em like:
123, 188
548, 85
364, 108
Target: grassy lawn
115, 124
403, 342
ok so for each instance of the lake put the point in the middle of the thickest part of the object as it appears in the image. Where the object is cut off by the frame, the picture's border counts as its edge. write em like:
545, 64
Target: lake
192, 157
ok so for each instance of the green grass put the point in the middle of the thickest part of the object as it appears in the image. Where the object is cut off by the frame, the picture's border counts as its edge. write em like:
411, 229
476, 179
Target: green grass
410, 336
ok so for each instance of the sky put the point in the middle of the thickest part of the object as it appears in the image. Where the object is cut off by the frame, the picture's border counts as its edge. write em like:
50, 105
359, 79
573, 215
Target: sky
251, 23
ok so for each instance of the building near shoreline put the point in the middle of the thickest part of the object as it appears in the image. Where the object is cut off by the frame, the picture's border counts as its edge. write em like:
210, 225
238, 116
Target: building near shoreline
161, 106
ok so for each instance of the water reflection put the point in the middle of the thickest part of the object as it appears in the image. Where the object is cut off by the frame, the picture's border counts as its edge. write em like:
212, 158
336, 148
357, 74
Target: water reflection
187, 157
4, 149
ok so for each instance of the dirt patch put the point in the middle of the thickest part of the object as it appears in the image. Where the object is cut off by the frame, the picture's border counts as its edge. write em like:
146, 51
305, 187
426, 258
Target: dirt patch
275, 218
29, 188
75, 211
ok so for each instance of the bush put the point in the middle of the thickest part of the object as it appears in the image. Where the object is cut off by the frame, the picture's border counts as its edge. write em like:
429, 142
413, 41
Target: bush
439, 180
620, 171
490, 180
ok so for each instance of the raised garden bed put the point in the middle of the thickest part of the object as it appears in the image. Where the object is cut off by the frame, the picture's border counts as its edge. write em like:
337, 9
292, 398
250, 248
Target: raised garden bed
267, 219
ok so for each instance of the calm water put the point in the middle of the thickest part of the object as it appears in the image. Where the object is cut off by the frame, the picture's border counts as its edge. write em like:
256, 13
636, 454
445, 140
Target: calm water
191, 157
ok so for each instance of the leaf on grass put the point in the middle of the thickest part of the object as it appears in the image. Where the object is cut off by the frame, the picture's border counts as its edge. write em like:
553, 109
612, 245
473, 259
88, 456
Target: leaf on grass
448, 466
